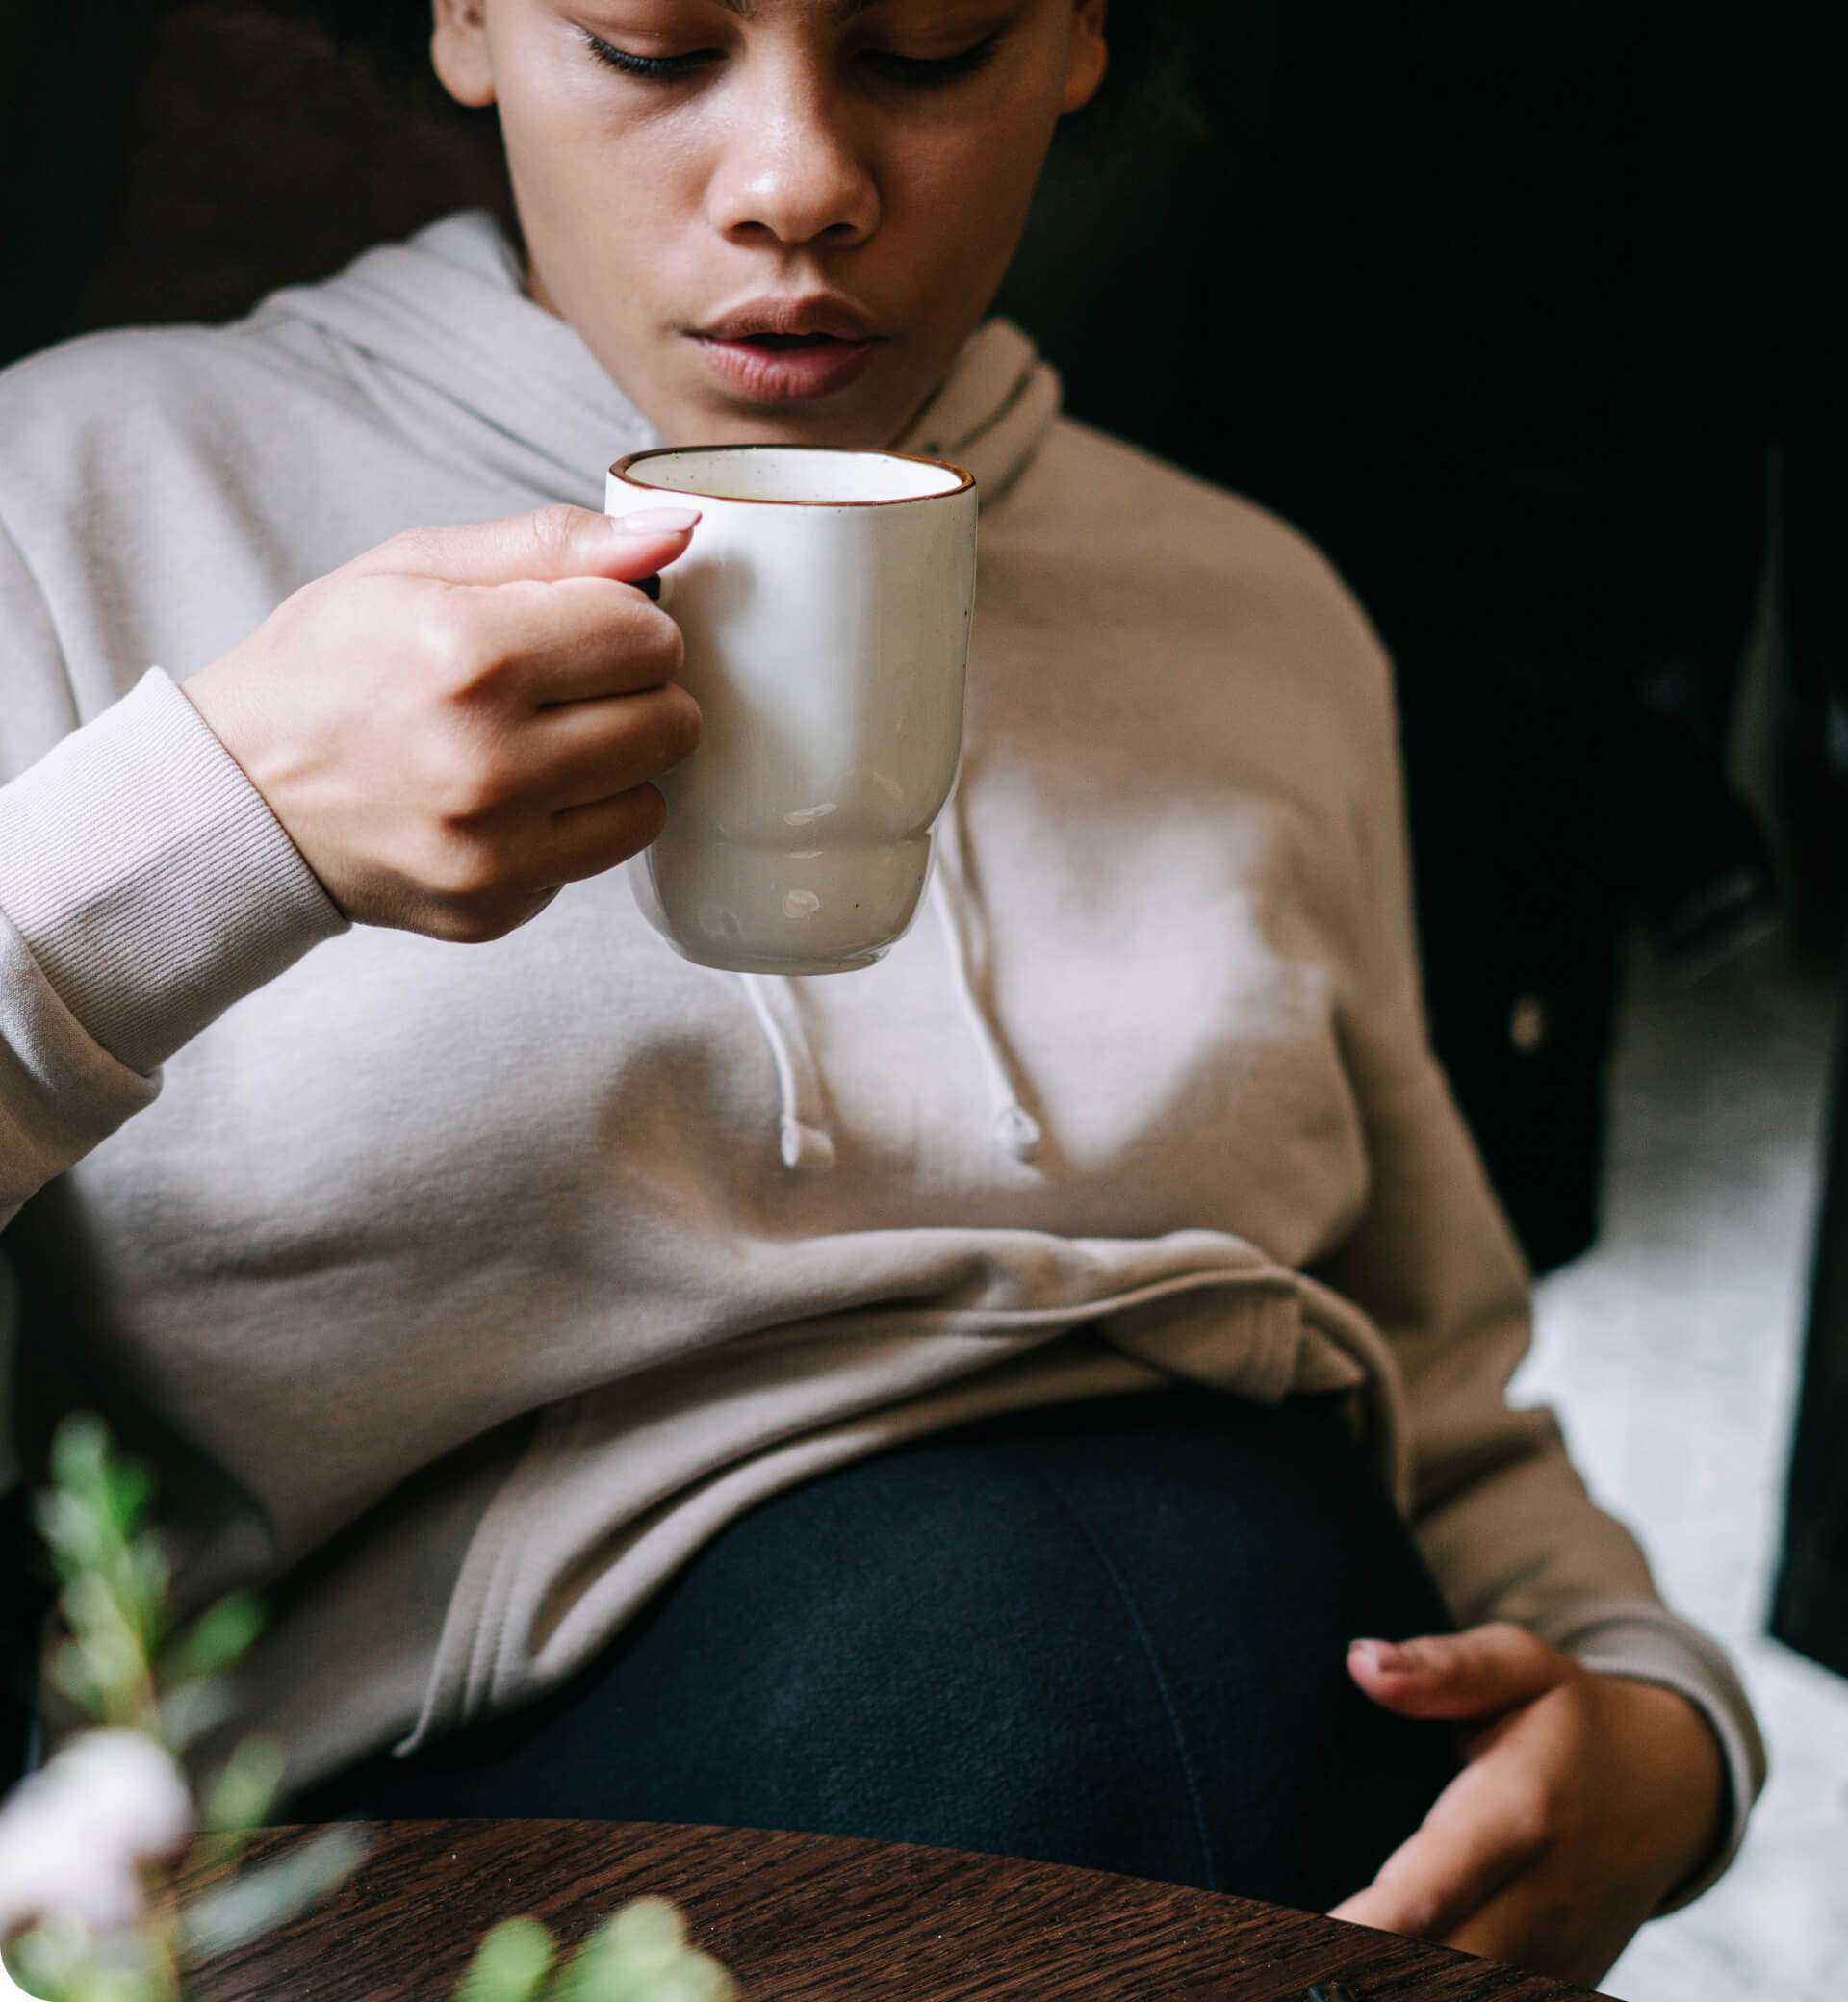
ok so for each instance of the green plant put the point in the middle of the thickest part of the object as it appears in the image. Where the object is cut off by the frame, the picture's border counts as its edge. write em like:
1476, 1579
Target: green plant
94, 1846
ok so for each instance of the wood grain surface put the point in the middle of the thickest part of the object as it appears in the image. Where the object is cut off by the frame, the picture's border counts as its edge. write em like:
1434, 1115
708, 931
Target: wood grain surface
818, 1918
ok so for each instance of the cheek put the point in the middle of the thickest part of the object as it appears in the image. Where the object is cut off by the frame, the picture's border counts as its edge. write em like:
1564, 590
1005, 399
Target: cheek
574, 167
966, 193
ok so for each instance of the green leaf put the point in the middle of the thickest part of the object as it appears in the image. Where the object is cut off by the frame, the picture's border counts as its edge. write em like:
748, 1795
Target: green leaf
70, 1674
510, 1963
259, 1900
80, 1452
648, 1933
58, 1962
76, 1534
45, 1959
242, 1792
189, 1709
641, 1954
89, 1603
127, 1489
695, 1977
216, 1640
141, 1590
113, 1662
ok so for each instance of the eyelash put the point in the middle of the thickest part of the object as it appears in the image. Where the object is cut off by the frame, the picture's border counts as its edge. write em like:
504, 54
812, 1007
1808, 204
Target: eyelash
656, 69
933, 72
915, 72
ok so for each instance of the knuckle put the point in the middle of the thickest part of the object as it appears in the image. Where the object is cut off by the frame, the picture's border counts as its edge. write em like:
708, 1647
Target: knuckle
1403, 1902
467, 786
682, 724
464, 876
410, 550
644, 814
486, 792
554, 529
670, 641
1419, 1916
651, 811
653, 648
1535, 1817
456, 656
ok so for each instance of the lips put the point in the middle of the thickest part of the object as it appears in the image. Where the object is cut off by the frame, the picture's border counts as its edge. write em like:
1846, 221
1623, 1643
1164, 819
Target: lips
781, 350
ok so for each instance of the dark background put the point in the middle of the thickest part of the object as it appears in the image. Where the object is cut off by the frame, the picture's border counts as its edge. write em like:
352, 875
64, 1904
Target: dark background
1517, 310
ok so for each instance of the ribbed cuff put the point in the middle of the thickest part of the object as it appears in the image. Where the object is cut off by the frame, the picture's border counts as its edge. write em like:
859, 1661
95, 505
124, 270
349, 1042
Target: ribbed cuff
149, 878
1650, 1644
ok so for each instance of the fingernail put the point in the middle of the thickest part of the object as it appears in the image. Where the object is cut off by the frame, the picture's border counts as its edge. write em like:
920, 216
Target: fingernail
660, 520
1380, 1655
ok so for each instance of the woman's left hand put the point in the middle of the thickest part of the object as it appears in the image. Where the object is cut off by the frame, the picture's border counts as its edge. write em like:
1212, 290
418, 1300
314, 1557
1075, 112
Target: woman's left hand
1584, 1798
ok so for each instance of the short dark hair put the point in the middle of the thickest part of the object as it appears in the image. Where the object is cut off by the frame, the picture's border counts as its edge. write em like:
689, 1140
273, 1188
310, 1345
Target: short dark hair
1146, 35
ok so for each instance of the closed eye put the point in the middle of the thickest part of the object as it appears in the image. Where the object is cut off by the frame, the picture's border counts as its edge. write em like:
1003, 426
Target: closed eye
914, 72
659, 69
931, 73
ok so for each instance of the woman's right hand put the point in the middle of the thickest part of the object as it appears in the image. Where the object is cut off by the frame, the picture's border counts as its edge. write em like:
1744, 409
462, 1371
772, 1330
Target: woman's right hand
461, 721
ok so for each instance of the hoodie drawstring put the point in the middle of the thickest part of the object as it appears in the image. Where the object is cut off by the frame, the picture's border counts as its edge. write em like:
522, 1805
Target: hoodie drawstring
802, 1124
804, 1136
1015, 1130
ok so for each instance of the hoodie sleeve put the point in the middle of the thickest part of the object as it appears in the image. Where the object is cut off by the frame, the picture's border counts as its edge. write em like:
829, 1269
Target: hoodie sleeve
1497, 1509
144, 887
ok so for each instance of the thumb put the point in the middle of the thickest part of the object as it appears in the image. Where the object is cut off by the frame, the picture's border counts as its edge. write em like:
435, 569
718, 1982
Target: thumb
542, 547
1473, 1674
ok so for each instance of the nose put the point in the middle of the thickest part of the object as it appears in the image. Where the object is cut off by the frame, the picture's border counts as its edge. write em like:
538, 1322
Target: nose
791, 172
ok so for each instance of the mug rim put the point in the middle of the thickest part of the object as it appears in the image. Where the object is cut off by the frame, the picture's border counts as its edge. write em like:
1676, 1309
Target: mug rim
965, 479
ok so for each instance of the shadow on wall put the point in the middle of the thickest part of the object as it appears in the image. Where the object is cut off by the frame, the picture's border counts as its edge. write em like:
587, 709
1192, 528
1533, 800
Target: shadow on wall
1446, 287
173, 162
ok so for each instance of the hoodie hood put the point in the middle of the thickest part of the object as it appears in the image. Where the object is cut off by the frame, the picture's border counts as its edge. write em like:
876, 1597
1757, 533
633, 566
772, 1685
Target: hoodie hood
433, 320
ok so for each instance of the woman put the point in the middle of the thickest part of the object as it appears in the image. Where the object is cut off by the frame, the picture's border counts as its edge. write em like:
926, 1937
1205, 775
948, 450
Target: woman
949, 1403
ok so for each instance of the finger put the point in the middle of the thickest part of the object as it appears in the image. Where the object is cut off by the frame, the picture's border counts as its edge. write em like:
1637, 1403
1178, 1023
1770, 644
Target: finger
583, 752
542, 547
1473, 1674
1537, 1922
529, 646
587, 840
1466, 1850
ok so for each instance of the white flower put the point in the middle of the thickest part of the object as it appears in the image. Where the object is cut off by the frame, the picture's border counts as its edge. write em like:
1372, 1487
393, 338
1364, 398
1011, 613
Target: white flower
73, 1834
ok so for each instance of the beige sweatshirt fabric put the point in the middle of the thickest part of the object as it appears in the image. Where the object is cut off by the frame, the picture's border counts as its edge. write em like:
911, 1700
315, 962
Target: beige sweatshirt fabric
461, 1293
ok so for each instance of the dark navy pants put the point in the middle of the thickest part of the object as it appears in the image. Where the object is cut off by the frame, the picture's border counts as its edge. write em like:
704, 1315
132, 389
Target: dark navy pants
1108, 1633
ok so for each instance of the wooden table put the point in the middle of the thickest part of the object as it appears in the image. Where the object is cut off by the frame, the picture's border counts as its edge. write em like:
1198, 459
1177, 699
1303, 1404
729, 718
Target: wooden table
817, 1919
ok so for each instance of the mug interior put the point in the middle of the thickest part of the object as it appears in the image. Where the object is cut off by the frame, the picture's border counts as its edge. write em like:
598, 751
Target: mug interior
820, 475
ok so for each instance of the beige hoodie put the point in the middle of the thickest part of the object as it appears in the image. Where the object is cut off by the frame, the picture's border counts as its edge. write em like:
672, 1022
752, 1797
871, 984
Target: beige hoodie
462, 1293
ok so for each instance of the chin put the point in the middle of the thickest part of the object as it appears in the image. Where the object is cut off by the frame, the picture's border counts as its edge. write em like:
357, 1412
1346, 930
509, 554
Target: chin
782, 424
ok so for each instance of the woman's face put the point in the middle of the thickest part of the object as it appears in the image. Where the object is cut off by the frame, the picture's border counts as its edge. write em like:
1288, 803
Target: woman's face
773, 219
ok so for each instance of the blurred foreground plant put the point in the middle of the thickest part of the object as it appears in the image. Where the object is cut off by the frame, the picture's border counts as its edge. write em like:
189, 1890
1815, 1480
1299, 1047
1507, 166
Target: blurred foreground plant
93, 1846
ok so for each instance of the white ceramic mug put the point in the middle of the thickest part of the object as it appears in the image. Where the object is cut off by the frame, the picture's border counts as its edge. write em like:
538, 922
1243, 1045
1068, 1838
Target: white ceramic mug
825, 602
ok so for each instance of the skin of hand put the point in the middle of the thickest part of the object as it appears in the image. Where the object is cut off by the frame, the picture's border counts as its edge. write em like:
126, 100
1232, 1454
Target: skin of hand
457, 723
1584, 1798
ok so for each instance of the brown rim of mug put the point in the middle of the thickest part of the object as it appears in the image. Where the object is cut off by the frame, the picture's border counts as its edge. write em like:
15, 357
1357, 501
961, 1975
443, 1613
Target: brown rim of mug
620, 471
